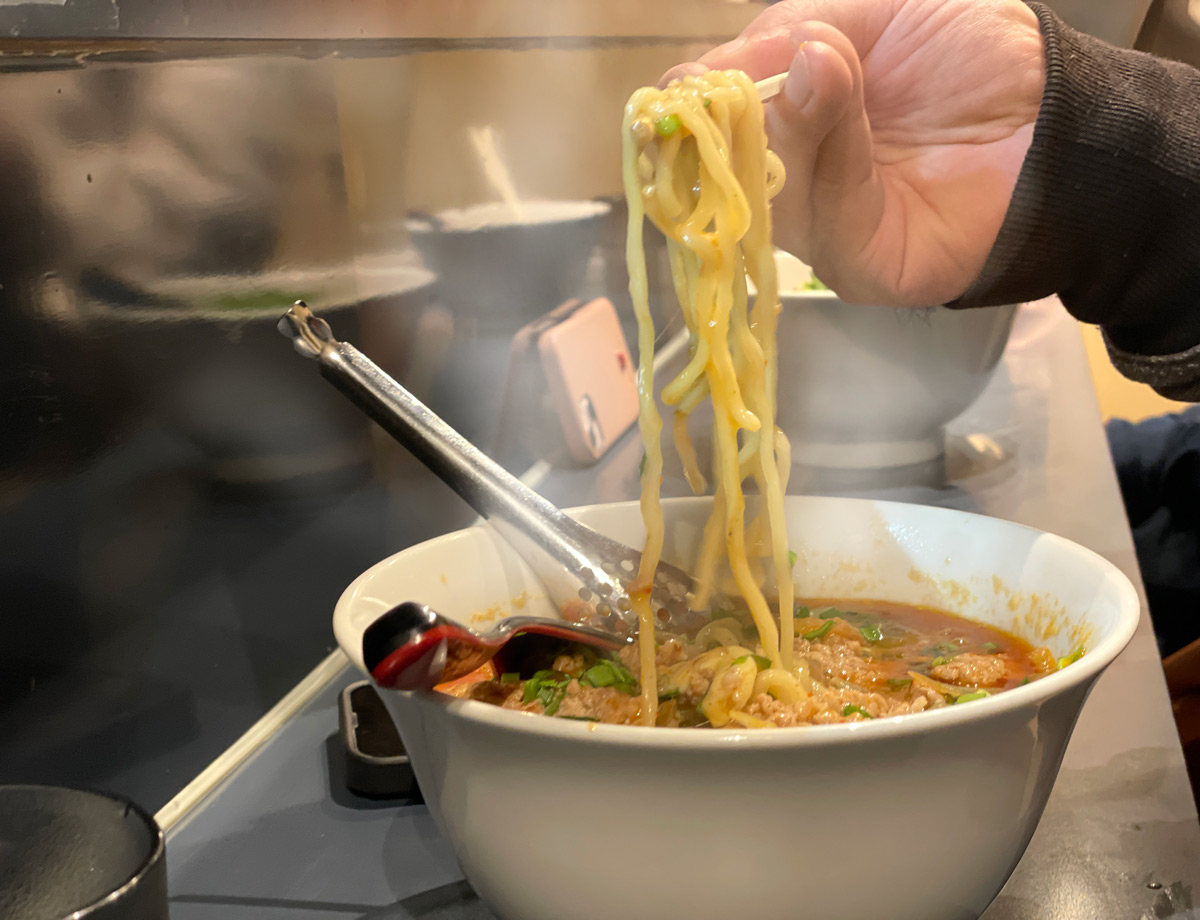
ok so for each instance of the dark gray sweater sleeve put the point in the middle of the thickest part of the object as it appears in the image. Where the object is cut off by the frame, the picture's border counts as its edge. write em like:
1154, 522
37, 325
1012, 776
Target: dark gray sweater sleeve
1106, 210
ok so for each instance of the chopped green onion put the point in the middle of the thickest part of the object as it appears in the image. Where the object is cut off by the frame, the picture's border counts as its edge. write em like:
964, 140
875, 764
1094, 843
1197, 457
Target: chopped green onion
973, 695
851, 709
819, 632
580, 718
510, 677
624, 675
990, 648
608, 673
871, 633
708, 103
551, 700
548, 688
665, 695
759, 660
940, 660
534, 684
597, 676
801, 611
642, 466
1024, 681
792, 557
1072, 658
897, 683
829, 613
667, 125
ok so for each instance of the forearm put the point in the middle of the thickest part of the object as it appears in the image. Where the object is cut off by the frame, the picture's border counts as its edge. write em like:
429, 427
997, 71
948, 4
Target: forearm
1106, 210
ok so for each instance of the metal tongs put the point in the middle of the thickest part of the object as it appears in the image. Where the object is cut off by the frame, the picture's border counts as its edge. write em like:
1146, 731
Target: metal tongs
587, 575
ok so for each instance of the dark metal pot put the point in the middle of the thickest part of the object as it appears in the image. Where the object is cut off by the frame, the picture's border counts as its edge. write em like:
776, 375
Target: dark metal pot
71, 853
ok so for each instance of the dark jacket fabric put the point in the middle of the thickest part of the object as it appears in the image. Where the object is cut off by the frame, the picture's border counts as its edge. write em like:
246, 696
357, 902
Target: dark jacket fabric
1106, 214
1106, 210
1158, 466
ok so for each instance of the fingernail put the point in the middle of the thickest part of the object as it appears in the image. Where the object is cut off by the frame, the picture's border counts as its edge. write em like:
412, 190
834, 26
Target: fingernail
798, 87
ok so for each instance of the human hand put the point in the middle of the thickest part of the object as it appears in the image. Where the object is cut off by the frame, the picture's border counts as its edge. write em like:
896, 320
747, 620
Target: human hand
902, 126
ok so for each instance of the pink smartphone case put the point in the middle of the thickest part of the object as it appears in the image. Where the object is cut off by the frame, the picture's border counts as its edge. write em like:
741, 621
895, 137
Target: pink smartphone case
592, 378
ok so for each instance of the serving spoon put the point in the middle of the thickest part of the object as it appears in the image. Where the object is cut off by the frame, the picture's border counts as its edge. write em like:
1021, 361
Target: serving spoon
588, 576
413, 647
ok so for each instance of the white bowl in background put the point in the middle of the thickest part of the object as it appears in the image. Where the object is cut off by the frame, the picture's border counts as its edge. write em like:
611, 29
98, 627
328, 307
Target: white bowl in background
867, 387
920, 817
503, 270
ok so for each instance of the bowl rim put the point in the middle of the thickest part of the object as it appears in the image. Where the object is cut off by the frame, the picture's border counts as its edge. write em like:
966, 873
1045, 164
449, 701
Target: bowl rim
342, 290
582, 211
1082, 672
826, 297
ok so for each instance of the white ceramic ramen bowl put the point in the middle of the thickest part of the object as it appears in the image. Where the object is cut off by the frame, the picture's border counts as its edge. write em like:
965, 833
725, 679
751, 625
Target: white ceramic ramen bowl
868, 387
920, 817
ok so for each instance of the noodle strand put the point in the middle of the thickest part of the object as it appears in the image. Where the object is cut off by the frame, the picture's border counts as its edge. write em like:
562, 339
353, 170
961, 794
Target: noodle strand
697, 166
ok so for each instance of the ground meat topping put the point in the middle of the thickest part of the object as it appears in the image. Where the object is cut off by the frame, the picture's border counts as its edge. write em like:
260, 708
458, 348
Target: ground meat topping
494, 692
971, 670
836, 657
604, 704
669, 652
573, 665
1043, 660
852, 663
829, 706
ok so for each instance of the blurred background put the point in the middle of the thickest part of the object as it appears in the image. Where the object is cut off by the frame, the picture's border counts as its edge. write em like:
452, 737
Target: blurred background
182, 499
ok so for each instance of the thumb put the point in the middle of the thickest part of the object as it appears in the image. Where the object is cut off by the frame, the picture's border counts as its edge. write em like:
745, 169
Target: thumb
832, 197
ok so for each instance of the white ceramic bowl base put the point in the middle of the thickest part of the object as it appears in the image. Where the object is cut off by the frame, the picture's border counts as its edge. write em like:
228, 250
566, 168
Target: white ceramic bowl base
865, 387
915, 818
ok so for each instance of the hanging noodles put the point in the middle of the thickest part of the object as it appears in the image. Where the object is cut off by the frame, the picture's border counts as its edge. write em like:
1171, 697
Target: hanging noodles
696, 164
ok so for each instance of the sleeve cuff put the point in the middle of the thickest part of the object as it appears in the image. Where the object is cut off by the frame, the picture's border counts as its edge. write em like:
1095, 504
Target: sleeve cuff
1175, 376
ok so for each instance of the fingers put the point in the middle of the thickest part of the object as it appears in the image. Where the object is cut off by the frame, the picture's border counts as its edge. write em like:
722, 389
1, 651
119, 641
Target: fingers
832, 198
760, 55
766, 46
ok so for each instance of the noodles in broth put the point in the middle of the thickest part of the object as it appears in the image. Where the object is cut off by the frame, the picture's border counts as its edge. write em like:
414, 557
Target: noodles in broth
696, 164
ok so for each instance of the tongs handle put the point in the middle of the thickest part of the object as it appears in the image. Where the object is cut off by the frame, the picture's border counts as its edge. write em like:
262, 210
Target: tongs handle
534, 526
